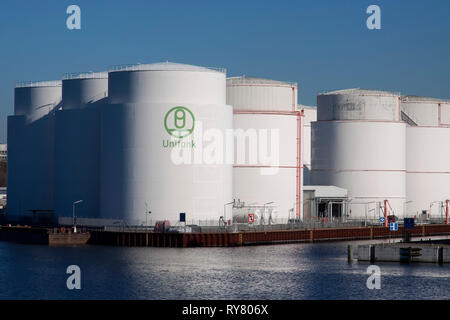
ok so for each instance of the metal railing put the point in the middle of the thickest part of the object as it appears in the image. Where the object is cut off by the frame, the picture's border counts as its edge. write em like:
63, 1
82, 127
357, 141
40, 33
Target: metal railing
85, 75
159, 67
259, 81
32, 84
360, 92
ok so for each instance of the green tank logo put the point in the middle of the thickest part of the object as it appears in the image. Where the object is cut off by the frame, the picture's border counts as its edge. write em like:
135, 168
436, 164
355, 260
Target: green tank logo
179, 122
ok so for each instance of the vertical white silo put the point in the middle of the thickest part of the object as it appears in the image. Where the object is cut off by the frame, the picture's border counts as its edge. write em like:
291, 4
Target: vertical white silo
77, 144
358, 143
309, 115
161, 121
265, 107
31, 147
427, 155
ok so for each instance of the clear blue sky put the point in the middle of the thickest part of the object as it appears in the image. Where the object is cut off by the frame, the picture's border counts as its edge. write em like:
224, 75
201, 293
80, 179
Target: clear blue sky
322, 45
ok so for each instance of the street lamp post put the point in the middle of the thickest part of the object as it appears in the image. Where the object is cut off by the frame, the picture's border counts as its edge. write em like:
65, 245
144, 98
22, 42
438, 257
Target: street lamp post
73, 215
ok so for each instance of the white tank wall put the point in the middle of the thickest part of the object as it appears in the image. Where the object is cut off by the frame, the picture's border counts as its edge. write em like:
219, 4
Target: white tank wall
77, 146
81, 92
309, 115
365, 157
445, 113
245, 93
36, 100
77, 162
262, 104
250, 186
137, 169
427, 151
257, 187
428, 168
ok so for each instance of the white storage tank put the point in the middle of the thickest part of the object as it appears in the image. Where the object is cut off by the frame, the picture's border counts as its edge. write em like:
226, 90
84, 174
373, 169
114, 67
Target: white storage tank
36, 99
427, 154
154, 136
309, 115
83, 89
31, 144
77, 144
267, 108
358, 143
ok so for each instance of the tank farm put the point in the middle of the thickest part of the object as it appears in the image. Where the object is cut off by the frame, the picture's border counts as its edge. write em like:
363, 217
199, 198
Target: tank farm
176, 155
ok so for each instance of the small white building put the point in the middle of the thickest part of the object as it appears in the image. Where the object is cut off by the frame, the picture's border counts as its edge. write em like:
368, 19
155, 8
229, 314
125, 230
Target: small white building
324, 202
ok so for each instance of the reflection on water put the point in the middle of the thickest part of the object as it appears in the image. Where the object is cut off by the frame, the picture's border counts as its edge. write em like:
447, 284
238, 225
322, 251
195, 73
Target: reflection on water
297, 271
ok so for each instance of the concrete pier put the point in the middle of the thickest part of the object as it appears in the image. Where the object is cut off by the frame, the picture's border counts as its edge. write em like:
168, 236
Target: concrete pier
405, 252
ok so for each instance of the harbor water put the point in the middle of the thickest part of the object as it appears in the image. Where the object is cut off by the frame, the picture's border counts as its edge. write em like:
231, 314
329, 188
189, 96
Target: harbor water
287, 272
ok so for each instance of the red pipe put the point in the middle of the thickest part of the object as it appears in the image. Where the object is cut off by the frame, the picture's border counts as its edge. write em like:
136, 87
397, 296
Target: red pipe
293, 99
299, 159
385, 213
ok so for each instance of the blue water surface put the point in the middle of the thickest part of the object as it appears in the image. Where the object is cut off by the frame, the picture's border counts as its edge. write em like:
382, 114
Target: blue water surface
294, 271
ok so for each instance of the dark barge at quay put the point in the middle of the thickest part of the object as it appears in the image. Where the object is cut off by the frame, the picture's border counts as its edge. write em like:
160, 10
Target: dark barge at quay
43, 236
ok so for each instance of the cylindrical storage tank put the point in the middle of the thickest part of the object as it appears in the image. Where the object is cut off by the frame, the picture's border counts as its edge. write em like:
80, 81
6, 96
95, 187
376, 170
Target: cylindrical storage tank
358, 143
267, 167
32, 149
427, 154
309, 115
159, 136
82, 89
36, 99
77, 144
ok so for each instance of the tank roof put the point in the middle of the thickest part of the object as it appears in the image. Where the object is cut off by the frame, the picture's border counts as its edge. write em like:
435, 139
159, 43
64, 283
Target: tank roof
254, 80
163, 66
359, 91
33, 84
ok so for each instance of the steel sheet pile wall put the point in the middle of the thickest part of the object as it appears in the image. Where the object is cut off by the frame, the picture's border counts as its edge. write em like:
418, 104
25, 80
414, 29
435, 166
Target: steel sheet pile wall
427, 155
263, 107
31, 147
358, 143
158, 114
77, 144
